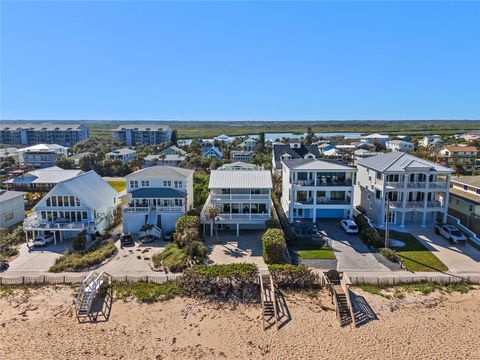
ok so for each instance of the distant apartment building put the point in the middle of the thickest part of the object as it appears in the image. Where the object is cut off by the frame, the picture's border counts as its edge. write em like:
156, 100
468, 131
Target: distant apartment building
400, 145
462, 158
12, 208
41, 180
124, 155
42, 155
464, 201
149, 134
42, 133
293, 150
417, 190
157, 196
313, 190
85, 202
242, 199
241, 155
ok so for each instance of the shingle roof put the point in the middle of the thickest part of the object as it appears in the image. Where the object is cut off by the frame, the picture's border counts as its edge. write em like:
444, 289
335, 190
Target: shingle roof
7, 195
157, 193
461, 148
312, 164
298, 153
397, 161
161, 171
240, 179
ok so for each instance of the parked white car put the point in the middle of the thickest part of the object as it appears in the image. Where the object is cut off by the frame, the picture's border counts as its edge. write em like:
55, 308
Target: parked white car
451, 233
349, 226
43, 240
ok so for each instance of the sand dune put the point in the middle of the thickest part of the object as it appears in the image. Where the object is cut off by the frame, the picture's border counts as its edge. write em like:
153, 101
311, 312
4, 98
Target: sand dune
41, 325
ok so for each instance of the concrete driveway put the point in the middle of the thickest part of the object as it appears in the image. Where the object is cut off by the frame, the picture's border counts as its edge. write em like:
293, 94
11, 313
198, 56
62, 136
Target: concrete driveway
38, 259
458, 258
134, 259
246, 248
352, 254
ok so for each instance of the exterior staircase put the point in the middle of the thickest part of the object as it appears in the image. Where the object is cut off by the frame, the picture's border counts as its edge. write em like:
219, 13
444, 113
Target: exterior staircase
269, 301
92, 287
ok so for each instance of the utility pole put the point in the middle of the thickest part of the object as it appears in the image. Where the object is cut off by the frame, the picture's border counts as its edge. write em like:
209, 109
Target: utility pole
387, 220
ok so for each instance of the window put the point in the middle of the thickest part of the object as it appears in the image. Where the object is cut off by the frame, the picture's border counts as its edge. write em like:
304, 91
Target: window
478, 191
378, 194
470, 208
167, 183
145, 183
54, 201
65, 201
379, 176
72, 201
321, 193
77, 202
48, 202
465, 187
178, 184
60, 201
8, 216
134, 184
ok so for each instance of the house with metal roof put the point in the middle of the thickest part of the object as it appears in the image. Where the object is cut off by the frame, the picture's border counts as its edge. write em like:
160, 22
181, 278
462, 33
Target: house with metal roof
400, 145
242, 199
173, 150
157, 196
41, 180
413, 190
85, 202
12, 208
376, 139
241, 155
163, 159
313, 190
248, 144
240, 165
463, 158
42, 155
124, 155
292, 150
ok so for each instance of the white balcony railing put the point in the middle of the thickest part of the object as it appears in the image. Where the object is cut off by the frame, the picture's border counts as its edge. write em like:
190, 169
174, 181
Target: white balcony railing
243, 217
33, 223
220, 197
158, 209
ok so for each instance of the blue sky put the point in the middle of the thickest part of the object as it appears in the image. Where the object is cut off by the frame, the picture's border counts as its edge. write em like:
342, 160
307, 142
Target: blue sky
240, 60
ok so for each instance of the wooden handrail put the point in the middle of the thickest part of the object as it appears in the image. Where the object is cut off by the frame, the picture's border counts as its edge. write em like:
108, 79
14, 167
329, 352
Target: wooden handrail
275, 310
346, 288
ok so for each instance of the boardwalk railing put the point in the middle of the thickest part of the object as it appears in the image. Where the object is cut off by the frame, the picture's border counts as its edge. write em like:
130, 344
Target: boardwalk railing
51, 279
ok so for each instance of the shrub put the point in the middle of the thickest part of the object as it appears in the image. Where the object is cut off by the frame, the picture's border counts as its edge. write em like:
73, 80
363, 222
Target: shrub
222, 282
79, 242
147, 292
292, 277
198, 251
371, 237
9, 252
390, 254
187, 229
274, 246
172, 257
361, 221
71, 261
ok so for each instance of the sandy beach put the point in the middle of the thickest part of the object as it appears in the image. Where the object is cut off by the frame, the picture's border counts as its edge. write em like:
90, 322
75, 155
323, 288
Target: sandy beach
40, 324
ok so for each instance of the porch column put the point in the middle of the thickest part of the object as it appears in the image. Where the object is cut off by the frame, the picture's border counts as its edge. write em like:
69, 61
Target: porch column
238, 229
203, 229
403, 219
446, 201
211, 229
425, 206
61, 237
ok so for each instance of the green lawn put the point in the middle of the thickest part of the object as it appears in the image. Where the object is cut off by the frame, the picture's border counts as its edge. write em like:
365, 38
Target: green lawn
118, 185
323, 253
415, 256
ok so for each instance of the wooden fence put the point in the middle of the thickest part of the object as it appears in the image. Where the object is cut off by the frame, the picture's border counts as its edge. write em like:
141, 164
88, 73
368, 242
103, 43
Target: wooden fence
78, 278
397, 280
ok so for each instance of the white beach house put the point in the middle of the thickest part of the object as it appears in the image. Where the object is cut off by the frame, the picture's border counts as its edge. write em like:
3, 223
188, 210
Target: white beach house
158, 196
242, 198
84, 202
417, 189
316, 189
12, 208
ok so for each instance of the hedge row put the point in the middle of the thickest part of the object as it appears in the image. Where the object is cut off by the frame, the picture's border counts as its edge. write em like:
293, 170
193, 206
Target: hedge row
274, 246
292, 277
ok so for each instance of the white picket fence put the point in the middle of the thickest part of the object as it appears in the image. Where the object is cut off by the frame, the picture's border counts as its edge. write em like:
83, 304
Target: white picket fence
397, 280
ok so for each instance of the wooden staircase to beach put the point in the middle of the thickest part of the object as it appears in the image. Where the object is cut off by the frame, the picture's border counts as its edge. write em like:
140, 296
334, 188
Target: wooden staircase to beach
95, 291
340, 297
269, 301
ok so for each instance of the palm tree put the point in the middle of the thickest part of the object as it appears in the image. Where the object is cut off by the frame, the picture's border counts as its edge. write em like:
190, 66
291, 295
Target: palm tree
162, 157
211, 214
277, 182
